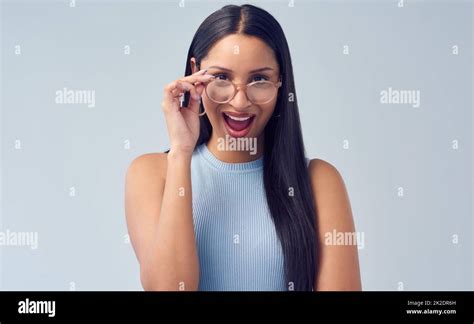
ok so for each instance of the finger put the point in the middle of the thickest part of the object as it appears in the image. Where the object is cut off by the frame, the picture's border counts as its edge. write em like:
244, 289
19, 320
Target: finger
178, 88
194, 104
200, 72
199, 88
170, 100
177, 93
198, 78
185, 86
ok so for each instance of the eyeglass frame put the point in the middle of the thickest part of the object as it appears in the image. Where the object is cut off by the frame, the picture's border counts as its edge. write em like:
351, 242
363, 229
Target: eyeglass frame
236, 86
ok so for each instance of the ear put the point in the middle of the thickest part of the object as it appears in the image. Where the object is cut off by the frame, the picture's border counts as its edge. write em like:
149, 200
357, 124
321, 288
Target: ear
194, 67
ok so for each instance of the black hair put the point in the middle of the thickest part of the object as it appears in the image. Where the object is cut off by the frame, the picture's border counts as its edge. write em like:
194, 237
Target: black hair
284, 170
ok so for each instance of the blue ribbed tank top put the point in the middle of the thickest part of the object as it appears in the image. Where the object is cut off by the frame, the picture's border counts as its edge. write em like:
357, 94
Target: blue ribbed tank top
237, 243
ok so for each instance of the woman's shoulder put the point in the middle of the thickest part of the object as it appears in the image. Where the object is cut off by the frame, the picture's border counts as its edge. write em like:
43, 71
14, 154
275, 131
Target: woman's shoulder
327, 181
320, 166
149, 164
334, 213
330, 194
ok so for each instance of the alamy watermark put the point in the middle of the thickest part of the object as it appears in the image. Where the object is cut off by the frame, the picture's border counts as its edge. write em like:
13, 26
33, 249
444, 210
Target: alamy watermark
393, 96
229, 143
344, 238
11, 238
68, 96
28, 306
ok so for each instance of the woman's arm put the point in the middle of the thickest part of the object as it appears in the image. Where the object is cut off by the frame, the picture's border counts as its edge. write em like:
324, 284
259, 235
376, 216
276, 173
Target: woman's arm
158, 198
338, 264
159, 217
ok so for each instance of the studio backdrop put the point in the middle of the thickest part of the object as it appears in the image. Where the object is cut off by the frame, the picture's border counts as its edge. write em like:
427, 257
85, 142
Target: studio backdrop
384, 91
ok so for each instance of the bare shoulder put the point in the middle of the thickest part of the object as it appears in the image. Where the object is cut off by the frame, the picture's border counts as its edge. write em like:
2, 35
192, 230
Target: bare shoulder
339, 265
325, 178
331, 197
148, 165
144, 185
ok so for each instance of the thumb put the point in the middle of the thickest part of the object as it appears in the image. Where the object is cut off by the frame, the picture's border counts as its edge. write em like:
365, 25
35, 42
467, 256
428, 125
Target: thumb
195, 103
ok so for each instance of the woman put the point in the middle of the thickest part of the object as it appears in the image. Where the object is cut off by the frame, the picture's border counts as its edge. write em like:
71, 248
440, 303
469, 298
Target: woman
218, 213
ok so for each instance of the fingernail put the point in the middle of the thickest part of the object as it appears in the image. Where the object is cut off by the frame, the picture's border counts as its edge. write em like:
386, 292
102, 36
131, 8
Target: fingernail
197, 97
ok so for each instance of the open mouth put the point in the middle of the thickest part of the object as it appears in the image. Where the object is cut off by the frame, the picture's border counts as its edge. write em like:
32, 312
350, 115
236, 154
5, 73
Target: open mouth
238, 125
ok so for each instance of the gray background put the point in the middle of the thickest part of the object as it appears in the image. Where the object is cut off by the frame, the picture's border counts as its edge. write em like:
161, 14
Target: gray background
82, 239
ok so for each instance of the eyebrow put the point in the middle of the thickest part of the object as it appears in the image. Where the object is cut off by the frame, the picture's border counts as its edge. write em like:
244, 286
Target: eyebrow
266, 68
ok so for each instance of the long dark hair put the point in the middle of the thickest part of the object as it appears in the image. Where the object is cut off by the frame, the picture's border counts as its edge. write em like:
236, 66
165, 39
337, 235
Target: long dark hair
284, 171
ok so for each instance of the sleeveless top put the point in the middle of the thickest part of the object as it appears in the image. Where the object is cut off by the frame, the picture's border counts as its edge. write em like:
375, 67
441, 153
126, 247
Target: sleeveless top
237, 243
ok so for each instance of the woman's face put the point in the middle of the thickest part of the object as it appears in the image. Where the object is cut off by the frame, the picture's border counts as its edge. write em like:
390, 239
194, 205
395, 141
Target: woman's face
241, 59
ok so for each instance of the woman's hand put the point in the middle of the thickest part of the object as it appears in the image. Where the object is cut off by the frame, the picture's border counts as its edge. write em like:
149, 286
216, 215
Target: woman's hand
183, 123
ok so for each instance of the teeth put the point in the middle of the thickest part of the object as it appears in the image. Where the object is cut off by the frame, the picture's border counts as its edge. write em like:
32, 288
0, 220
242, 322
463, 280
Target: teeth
237, 118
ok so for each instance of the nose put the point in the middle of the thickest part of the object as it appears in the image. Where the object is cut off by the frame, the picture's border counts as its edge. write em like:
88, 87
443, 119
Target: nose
240, 100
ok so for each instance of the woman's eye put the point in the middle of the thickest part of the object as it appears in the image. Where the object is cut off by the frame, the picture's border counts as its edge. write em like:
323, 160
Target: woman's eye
220, 76
260, 78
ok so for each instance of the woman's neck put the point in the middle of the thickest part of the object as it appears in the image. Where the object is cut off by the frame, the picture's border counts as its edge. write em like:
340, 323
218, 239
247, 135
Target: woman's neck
236, 150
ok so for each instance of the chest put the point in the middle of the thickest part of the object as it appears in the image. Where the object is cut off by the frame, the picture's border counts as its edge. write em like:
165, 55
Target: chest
237, 242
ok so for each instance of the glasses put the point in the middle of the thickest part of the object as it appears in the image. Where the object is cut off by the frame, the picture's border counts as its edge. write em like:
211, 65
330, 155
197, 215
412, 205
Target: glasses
258, 92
